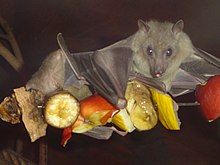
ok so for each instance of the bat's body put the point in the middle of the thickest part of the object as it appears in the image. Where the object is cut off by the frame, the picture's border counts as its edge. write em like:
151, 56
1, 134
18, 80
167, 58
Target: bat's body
161, 52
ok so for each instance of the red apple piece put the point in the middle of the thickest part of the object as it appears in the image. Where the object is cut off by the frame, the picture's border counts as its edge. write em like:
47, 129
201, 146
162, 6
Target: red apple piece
208, 95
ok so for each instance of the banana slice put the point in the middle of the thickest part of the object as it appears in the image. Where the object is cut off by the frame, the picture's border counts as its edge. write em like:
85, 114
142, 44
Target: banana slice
140, 106
61, 110
143, 117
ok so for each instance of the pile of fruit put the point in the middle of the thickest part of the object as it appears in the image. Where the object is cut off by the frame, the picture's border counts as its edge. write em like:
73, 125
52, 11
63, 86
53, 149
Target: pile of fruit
145, 106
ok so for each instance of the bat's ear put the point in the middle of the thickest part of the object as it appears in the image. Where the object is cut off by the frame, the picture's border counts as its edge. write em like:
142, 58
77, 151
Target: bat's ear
178, 27
143, 26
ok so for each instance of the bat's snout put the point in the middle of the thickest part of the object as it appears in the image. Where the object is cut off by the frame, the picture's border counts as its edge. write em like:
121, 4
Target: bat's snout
158, 68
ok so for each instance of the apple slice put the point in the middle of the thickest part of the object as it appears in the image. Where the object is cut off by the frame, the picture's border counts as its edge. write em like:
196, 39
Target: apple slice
208, 95
94, 111
97, 109
66, 135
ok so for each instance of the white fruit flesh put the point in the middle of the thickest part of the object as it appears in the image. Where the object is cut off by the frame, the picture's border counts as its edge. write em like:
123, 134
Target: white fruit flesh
61, 110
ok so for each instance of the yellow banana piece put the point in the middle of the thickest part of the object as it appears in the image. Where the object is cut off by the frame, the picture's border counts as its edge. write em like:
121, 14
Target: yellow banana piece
167, 111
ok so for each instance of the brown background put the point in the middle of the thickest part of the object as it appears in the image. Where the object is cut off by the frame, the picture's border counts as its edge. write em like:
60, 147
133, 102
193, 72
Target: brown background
90, 25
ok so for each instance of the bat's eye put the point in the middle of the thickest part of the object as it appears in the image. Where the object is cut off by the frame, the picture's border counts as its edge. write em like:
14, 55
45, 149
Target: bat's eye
169, 52
149, 51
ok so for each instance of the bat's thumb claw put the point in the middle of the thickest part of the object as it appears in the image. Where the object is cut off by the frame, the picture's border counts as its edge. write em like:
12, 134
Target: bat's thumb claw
122, 103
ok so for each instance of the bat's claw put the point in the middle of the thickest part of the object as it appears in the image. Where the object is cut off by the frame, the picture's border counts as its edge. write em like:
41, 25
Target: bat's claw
122, 103
153, 82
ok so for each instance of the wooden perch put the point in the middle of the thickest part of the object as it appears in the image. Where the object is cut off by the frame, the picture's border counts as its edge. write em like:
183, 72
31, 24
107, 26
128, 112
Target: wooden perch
15, 58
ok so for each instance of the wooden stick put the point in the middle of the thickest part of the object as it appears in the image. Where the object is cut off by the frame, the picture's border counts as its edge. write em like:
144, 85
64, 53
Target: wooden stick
188, 104
15, 59
12, 40
12, 60
43, 152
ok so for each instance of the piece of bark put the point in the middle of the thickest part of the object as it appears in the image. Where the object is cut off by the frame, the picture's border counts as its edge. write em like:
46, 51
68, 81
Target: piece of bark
9, 110
32, 116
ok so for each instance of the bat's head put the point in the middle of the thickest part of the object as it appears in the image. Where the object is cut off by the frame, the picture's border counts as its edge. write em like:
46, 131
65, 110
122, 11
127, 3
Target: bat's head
158, 47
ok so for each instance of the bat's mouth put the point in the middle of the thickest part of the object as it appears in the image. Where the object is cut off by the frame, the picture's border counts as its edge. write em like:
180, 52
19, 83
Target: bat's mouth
157, 74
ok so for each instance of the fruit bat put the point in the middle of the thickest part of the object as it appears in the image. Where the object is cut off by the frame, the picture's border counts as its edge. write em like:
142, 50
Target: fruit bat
159, 54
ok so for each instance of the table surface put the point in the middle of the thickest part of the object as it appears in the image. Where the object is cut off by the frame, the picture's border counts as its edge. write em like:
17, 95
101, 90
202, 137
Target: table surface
91, 25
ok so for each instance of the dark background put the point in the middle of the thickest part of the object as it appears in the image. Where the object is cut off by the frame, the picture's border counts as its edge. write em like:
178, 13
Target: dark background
90, 25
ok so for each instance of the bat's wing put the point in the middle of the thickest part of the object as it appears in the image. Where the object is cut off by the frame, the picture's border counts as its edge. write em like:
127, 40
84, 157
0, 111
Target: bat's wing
195, 70
207, 57
184, 83
107, 71
74, 78
114, 66
202, 64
